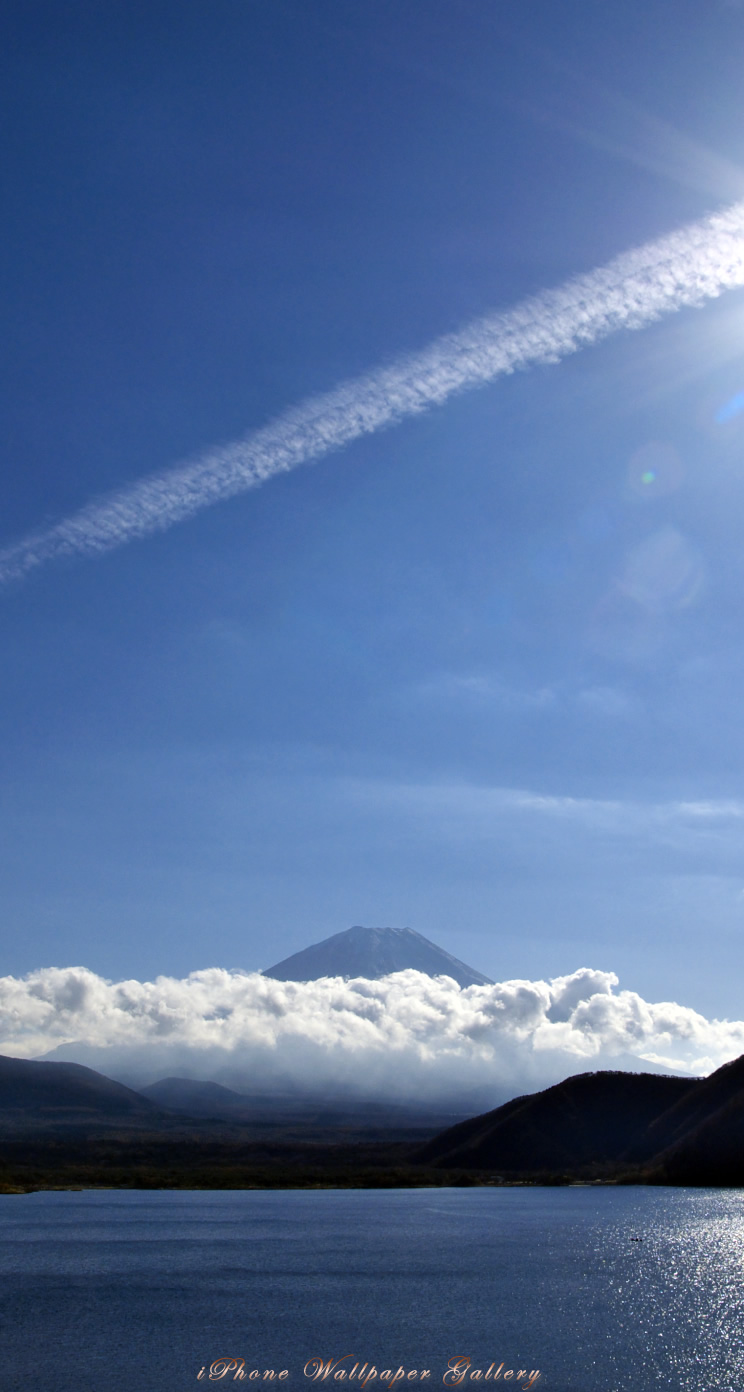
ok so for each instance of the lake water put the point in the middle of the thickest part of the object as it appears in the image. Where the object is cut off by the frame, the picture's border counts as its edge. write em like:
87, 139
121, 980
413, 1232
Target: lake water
136, 1292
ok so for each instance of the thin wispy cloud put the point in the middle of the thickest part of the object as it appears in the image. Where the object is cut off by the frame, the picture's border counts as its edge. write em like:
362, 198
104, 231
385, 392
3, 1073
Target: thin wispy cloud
626, 817
688, 267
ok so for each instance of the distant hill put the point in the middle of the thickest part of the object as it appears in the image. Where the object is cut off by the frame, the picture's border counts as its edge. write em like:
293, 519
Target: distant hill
197, 1098
307, 1111
34, 1093
592, 1118
373, 953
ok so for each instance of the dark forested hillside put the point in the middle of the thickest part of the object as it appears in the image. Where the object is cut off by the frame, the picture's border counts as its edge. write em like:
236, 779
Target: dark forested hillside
34, 1093
592, 1118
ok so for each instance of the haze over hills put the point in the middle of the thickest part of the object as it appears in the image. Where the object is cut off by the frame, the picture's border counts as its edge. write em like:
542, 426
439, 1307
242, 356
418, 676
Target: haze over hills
38, 1097
64, 1123
374, 953
283, 1110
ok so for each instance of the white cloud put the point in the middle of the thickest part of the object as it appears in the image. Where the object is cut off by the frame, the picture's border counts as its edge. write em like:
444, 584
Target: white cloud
407, 1035
694, 264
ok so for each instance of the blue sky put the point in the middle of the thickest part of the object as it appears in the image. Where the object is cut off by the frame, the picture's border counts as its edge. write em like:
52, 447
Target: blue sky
479, 674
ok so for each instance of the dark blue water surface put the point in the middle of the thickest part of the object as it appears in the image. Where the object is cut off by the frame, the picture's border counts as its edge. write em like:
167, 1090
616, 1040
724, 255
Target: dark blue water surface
134, 1292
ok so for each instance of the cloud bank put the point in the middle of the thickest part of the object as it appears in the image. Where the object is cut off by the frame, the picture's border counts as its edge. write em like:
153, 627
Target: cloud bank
403, 1037
688, 267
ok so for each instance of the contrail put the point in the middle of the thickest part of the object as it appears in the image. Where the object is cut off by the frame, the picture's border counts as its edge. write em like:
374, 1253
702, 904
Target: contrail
694, 264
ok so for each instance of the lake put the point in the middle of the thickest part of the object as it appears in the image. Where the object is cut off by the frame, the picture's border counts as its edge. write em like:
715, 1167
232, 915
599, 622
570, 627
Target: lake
600, 1289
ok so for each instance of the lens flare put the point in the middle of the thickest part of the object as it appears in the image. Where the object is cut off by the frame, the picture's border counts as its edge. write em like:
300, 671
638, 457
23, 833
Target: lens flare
655, 470
663, 573
730, 409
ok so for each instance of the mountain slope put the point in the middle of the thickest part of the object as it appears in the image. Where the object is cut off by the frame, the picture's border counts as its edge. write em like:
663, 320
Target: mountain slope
693, 1110
43, 1094
592, 1118
373, 953
703, 1135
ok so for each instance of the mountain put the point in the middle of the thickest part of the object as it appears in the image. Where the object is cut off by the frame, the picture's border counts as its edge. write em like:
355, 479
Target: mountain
198, 1099
372, 953
41, 1094
589, 1119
